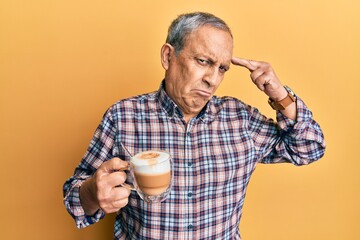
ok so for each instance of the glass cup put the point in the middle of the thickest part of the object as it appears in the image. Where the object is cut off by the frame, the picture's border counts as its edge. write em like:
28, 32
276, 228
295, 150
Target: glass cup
152, 175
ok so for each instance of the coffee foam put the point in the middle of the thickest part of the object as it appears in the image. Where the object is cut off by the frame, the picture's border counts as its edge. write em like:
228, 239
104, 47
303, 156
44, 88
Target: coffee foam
151, 162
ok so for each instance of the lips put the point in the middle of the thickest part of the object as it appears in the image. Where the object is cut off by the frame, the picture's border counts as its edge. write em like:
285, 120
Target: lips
203, 93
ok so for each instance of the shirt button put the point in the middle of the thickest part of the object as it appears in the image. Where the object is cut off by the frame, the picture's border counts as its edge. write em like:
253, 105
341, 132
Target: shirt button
190, 227
190, 194
190, 164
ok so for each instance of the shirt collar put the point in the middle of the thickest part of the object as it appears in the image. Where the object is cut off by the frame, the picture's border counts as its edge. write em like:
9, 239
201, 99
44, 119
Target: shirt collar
171, 108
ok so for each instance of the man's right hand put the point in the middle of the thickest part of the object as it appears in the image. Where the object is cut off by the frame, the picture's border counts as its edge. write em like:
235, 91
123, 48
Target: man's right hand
103, 190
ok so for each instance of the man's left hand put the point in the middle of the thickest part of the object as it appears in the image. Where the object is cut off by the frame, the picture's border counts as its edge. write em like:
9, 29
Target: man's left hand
263, 77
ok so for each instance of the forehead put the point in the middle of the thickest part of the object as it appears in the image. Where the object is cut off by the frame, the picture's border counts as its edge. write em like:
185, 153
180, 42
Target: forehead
210, 41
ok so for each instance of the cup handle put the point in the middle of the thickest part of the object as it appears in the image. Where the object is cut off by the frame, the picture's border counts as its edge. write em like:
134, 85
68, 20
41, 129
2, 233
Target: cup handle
126, 185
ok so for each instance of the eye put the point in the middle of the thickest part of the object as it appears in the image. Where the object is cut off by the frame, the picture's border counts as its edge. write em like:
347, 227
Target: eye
202, 61
223, 69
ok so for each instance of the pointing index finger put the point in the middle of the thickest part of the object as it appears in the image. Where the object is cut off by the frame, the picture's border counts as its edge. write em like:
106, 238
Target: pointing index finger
249, 64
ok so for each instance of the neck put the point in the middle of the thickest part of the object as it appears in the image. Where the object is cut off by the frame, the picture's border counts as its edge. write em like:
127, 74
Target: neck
188, 117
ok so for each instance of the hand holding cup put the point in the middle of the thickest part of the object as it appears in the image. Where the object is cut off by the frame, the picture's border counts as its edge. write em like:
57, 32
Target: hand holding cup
103, 191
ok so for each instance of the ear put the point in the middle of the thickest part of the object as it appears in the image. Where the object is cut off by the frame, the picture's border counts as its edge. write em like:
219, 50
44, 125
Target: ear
166, 53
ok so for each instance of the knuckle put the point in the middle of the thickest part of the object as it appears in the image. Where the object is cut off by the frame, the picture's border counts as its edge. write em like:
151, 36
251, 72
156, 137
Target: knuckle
269, 68
123, 176
102, 197
265, 66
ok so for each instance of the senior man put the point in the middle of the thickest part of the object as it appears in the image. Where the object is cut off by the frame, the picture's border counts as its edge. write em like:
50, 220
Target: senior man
215, 142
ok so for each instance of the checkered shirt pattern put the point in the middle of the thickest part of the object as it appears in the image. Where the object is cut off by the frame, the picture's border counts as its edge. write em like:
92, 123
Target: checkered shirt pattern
214, 156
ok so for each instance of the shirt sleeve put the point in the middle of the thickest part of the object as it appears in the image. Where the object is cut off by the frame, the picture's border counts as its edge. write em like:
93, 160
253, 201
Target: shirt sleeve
101, 148
298, 142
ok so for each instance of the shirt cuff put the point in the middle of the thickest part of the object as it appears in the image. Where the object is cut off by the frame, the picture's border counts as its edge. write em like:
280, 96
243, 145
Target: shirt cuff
74, 207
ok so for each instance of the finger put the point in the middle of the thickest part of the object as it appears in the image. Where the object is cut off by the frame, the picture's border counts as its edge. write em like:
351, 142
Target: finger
262, 81
121, 196
114, 164
115, 178
249, 64
121, 203
115, 200
114, 205
121, 193
256, 74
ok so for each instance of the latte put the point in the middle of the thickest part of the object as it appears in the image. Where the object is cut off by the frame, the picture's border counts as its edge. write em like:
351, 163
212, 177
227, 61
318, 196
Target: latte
152, 172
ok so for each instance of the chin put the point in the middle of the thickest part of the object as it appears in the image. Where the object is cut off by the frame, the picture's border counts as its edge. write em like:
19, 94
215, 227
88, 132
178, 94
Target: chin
200, 104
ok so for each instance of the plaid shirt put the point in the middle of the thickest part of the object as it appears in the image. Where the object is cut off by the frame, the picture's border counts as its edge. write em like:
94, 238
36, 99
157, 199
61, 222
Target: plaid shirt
214, 156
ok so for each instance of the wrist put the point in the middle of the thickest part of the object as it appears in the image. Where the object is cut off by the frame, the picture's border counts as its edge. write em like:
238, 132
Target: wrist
281, 94
284, 102
88, 200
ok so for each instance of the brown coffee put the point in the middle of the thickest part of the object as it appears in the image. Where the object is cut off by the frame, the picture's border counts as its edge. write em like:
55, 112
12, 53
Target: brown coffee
153, 184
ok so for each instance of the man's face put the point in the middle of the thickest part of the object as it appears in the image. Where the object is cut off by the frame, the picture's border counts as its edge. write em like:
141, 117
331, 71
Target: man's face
193, 75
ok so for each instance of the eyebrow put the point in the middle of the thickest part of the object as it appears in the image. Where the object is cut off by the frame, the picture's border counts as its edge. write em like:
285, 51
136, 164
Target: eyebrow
212, 60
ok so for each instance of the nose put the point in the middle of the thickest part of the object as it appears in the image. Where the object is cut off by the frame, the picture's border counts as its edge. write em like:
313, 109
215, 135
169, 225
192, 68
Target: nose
211, 77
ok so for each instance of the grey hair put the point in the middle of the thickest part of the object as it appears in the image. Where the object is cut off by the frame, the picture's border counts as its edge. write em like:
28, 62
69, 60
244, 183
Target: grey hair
185, 24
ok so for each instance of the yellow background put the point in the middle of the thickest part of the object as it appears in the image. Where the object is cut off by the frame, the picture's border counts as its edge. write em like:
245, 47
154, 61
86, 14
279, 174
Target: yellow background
62, 63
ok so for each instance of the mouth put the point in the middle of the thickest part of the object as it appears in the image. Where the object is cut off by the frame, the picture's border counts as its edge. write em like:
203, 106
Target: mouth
203, 93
